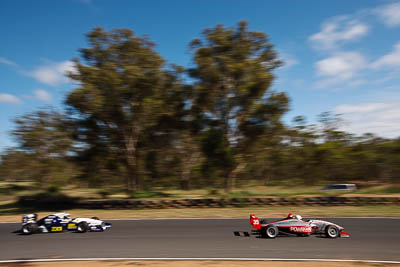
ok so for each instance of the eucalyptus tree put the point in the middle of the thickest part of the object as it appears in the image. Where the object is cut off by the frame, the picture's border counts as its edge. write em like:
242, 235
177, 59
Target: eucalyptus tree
233, 74
122, 82
44, 147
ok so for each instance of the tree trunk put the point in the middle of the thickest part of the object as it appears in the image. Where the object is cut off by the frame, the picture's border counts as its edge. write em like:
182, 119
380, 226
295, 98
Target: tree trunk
185, 177
131, 178
132, 181
230, 181
186, 171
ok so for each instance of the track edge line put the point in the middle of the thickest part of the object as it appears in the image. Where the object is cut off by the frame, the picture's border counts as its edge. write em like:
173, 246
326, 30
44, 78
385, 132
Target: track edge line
196, 259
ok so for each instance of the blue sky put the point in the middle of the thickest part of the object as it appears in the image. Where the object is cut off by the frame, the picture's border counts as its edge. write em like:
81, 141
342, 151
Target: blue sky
341, 56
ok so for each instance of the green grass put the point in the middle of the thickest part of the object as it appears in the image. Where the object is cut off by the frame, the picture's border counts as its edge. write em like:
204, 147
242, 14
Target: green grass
382, 189
151, 194
9, 187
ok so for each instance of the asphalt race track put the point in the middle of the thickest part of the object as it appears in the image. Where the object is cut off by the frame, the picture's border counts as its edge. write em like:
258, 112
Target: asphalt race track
371, 239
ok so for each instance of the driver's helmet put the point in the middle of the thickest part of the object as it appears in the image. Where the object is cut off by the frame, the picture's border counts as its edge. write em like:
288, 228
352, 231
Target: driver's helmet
298, 217
290, 216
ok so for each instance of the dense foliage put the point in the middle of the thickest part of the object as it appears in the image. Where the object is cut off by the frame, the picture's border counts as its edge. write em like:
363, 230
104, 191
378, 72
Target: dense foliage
136, 120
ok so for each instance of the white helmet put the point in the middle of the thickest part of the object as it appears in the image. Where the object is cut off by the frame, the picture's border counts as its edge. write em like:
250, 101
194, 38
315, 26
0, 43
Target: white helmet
298, 217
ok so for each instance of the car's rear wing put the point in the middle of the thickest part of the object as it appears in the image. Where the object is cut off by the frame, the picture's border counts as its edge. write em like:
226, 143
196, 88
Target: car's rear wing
255, 222
29, 218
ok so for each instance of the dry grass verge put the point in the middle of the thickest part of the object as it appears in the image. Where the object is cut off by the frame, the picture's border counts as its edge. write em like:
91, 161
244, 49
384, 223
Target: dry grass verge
266, 211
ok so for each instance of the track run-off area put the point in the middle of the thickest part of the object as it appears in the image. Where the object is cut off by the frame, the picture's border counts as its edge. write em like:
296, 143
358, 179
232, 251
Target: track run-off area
374, 239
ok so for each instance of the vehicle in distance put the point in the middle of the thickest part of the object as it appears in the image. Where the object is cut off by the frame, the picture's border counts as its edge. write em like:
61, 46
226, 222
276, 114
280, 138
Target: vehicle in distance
340, 187
294, 225
59, 222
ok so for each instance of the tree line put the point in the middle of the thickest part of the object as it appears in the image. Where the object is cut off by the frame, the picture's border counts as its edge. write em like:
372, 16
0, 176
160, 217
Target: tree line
137, 120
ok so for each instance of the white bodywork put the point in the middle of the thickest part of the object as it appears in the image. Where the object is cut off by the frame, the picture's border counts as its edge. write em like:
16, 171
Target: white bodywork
321, 223
93, 223
63, 218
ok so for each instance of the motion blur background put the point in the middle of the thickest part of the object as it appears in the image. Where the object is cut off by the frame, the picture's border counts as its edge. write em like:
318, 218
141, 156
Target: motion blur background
155, 99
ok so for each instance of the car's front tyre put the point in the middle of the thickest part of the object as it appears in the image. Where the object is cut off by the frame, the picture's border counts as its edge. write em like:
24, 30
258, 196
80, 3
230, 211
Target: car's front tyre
332, 231
82, 227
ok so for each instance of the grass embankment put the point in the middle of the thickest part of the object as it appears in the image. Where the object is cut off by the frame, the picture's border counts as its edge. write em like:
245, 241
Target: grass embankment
11, 210
243, 191
12, 191
11, 213
193, 264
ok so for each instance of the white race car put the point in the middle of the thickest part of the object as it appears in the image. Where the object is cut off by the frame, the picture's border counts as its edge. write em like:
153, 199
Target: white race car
59, 222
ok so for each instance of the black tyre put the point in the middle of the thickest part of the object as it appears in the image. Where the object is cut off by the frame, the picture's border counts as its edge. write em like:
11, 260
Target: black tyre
263, 233
332, 231
29, 228
82, 227
271, 231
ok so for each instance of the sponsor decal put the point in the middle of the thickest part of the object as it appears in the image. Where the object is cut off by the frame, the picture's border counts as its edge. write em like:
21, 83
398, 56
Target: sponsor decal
56, 228
256, 224
301, 229
71, 226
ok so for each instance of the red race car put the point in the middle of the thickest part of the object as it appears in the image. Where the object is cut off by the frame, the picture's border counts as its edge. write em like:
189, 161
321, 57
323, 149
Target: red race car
296, 226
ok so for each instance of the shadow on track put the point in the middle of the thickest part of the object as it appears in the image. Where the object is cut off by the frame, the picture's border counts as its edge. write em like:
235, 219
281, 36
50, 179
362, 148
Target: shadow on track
241, 234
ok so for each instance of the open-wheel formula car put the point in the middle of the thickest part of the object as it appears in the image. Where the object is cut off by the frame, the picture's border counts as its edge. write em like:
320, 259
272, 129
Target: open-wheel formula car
294, 225
59, 222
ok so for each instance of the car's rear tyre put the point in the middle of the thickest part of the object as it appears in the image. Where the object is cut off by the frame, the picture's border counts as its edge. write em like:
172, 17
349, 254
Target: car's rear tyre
332, 231
82, 227
271, 231
29, 228
103, 226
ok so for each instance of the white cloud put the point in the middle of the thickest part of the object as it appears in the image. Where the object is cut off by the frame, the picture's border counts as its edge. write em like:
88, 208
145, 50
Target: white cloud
362, 108
288, 60
8, 62
352, 67
54, 73
338, 31
341, 66
390, 14
390, 60
7, 98
42, 95
382, 119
